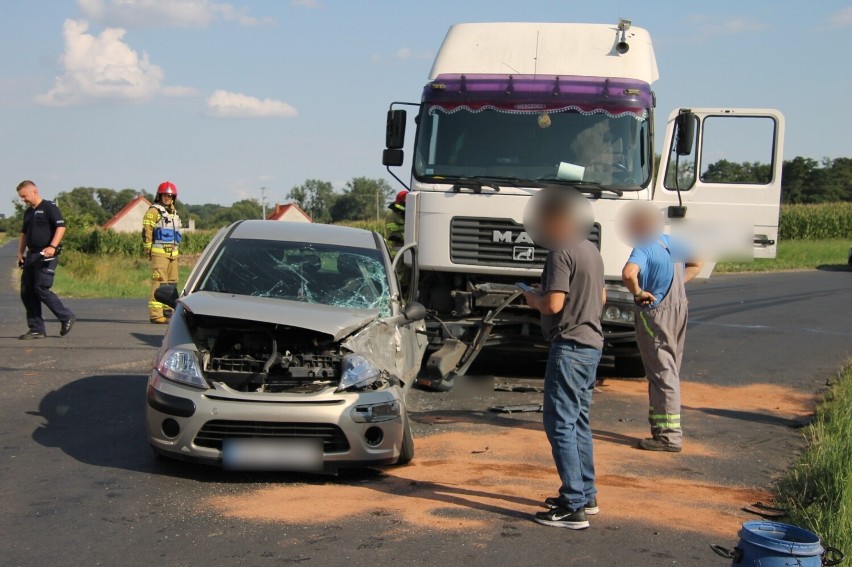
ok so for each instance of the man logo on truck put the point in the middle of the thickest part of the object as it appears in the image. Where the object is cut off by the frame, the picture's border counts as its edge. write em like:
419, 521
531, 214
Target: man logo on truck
523, 253
509, 238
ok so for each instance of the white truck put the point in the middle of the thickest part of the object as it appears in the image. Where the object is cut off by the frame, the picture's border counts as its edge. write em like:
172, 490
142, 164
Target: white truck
510, 108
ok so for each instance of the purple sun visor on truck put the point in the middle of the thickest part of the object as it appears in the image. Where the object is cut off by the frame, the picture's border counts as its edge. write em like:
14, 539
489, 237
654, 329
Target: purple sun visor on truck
527, 94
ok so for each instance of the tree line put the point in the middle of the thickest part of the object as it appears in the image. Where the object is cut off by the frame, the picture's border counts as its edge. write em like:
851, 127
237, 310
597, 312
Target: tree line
361, 199
803, 180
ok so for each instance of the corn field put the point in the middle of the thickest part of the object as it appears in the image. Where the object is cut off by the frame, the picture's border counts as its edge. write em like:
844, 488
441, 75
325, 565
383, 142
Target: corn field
798, 222
816, 222
100, 242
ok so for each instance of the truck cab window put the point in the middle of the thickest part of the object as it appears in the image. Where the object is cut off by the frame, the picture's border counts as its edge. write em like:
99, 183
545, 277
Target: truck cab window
737, 150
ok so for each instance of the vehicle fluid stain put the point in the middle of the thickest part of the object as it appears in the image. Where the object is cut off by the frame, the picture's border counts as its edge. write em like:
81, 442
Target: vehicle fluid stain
453, 484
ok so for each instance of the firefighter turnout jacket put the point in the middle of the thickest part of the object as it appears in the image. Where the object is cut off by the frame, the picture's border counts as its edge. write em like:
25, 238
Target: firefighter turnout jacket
161, 231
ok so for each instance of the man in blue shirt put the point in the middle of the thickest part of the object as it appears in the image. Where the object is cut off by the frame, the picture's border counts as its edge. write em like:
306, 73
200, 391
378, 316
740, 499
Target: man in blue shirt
655, 274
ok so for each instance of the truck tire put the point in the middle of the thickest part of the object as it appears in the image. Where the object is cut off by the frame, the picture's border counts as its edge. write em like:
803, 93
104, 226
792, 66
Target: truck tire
406, 451
629, 366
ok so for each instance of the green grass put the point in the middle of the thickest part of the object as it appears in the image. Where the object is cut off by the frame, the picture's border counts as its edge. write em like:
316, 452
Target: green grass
796, 255
818, 489
84, 275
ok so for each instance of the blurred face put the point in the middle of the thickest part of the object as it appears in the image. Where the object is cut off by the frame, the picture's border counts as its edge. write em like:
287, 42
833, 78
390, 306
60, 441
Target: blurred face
558, 227
166, 199
639, 223
29, 195
558, 217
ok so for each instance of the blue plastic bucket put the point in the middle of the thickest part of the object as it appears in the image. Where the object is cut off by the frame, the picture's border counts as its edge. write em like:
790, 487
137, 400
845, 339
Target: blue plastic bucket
771, 544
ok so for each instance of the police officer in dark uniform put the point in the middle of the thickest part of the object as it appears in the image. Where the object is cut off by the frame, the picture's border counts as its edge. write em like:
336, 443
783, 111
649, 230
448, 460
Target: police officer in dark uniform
38, 251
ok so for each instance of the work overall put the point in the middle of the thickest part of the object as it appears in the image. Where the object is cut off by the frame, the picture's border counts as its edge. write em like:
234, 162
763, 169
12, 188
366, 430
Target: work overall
661, 333
164, 257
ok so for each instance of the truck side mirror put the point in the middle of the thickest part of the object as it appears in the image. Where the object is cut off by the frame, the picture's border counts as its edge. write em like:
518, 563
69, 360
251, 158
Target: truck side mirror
395, 132
392, 158
685, 124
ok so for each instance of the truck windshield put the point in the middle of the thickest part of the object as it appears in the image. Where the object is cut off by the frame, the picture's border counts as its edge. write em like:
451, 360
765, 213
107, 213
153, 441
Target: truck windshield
607, 149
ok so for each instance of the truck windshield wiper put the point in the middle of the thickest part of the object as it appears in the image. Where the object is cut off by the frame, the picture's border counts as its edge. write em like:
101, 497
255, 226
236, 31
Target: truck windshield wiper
477, 182
591, 187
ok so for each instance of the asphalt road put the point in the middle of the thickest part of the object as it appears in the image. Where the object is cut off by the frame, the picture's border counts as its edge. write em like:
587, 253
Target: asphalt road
79, 486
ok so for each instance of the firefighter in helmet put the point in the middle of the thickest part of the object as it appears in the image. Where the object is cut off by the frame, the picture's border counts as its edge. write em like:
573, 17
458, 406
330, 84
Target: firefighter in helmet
395, 229
160, 242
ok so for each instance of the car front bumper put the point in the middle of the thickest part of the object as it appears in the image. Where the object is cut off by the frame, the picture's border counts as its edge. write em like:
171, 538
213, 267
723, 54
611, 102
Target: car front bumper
190, 424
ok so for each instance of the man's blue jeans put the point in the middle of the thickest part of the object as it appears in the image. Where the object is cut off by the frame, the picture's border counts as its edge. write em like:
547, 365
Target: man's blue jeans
568, 384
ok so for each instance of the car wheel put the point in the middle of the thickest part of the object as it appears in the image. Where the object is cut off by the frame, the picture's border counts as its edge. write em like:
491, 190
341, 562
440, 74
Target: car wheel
406, 452
629, 367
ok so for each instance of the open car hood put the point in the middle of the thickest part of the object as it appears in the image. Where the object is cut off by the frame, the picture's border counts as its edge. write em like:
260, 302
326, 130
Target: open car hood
338, 322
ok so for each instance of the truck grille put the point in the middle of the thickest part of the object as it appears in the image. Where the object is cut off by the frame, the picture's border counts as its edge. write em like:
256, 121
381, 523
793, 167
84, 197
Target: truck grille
494, 242
213, 432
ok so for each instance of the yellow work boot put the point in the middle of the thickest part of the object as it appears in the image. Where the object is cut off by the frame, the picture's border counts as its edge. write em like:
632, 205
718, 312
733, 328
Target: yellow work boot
159, 320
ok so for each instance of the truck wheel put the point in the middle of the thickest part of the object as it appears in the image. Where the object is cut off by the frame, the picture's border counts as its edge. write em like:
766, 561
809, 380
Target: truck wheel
629, 367
406, 451
430, 384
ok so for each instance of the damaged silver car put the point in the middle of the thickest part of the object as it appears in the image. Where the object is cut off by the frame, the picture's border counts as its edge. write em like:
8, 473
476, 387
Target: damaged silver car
290, 348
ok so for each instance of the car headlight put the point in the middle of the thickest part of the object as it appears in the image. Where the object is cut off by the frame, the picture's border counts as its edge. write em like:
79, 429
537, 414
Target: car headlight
373, 413
356, 372
182, 366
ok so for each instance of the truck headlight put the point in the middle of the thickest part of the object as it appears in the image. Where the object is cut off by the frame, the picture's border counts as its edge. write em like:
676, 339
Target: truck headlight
356, 372
618, 314
182, 366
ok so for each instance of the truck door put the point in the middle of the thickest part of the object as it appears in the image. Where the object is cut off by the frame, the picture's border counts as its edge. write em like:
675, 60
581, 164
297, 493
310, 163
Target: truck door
721, 169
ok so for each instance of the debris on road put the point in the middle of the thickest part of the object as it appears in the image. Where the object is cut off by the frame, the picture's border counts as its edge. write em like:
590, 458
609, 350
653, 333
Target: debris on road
524, 388
520, 408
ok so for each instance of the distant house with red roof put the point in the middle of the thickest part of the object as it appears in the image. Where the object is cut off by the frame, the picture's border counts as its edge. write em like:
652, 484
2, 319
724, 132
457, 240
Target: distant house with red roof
289, 212
129, 218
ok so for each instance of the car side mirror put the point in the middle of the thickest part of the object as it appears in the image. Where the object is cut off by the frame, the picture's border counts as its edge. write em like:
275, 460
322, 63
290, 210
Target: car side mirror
167, 295
685, 131
414, 311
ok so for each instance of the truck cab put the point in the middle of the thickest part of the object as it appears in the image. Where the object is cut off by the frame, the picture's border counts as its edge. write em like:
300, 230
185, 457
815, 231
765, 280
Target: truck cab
511, 108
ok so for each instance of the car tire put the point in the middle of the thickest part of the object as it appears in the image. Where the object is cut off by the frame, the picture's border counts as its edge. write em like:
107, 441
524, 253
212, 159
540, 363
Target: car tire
629, 367
406, 451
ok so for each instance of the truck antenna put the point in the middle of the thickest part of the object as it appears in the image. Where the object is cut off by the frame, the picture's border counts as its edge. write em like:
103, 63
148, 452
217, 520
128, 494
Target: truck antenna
535, 59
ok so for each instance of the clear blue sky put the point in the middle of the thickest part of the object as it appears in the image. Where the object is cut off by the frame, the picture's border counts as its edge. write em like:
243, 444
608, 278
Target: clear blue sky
223, 97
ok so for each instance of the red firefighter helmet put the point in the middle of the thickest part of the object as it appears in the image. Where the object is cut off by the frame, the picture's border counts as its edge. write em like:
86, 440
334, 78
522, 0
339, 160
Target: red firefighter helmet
167, 188
399, 202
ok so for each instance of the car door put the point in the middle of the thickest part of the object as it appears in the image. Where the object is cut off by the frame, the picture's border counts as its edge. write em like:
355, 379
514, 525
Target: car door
720, 180
413, 335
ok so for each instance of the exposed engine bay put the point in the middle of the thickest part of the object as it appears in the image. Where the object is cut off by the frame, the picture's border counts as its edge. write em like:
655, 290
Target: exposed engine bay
250, 356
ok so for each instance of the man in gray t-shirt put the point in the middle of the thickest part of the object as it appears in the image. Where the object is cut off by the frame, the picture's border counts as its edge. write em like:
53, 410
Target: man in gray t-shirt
570, 301
579, 274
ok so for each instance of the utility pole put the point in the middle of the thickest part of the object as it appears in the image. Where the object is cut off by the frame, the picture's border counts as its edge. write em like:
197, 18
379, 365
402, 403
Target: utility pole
263, 202
377, 203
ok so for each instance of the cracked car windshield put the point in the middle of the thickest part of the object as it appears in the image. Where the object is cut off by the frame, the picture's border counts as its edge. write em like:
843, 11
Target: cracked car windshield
610, 150
354, 278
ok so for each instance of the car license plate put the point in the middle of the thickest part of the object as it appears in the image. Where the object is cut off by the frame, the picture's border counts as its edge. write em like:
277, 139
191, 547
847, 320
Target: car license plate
298, 455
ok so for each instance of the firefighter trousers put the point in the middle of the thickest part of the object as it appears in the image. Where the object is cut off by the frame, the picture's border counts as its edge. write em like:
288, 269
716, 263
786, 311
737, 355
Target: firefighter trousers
164, 270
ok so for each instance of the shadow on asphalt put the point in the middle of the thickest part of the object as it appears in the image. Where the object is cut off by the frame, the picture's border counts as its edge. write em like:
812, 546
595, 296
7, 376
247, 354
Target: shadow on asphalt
446, 417
834, 268
751, 416
100, 421
150, 340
